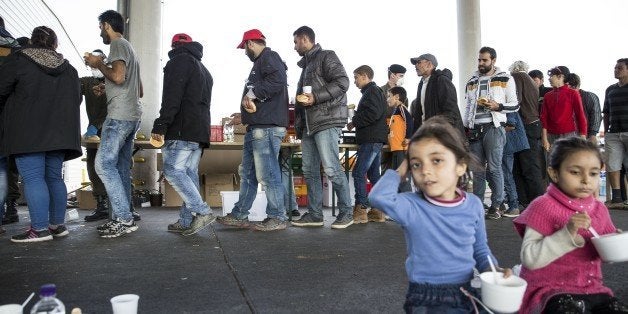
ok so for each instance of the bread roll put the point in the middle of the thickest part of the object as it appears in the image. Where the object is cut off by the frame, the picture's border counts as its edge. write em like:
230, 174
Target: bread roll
302, 98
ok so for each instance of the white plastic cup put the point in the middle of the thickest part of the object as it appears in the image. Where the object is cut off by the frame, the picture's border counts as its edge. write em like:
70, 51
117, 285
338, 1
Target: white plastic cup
11, 309
125, 304
307, 89
71, 215
505, 295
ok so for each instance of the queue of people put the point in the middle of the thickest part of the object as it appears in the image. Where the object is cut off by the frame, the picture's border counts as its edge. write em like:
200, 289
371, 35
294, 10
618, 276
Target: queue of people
499, 138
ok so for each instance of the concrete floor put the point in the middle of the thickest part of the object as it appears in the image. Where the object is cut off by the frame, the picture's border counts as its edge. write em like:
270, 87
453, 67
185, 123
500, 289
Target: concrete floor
223, 270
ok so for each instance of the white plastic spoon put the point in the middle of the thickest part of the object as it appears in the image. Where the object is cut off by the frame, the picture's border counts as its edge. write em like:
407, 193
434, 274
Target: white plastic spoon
595, 235
495, 273
28, 299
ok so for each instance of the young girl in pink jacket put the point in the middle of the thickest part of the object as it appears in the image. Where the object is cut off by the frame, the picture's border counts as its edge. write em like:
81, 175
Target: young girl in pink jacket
559, 262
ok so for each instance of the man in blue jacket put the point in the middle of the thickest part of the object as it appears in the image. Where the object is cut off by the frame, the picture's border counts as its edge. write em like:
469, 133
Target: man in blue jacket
264, 109
183, 124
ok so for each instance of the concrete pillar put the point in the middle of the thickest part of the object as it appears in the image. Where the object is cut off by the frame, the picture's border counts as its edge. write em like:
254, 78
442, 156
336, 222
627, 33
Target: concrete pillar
143, 30
469, 43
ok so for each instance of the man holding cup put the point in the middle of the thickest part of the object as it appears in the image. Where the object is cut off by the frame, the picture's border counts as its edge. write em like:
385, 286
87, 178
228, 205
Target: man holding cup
320, 114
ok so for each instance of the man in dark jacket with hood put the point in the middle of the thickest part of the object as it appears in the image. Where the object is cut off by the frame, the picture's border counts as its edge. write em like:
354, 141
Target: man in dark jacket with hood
436, 94
183, 124
319, 120
264, 109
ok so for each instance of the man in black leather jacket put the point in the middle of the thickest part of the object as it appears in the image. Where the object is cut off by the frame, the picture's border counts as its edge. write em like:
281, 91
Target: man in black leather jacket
320, 116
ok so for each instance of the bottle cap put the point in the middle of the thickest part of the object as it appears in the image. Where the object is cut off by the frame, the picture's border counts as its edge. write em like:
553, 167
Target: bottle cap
48, 290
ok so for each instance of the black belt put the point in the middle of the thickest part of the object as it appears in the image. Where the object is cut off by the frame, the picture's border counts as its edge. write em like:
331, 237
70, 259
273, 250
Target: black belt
484, 126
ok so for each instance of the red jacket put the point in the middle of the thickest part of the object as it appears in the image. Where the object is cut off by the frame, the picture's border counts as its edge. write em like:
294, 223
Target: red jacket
562, 112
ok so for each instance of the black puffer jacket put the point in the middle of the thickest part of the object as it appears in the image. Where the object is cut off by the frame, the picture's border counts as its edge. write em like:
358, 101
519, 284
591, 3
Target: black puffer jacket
370, 117
186, 99
40, 98
440, 99
325, 73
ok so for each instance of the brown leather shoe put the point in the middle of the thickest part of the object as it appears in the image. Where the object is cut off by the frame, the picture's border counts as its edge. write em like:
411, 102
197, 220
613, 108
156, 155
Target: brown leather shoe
376, 215
359, 214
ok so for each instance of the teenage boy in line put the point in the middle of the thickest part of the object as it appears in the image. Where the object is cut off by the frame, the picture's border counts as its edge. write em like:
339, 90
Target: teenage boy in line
400, 128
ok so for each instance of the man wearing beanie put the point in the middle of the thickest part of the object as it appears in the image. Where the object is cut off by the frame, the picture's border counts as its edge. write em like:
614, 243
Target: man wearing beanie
396, 75
436, 93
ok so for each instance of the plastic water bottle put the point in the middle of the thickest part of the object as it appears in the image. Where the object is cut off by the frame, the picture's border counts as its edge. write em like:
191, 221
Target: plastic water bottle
48, 302
603, 183
227, 132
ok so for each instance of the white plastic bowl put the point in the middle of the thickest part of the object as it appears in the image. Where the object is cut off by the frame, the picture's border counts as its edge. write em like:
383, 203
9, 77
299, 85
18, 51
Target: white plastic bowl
506, 295
11, 309
613, 248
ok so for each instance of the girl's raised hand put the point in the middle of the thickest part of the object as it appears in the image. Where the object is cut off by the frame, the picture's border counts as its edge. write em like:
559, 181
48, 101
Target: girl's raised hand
578, 221
403, 169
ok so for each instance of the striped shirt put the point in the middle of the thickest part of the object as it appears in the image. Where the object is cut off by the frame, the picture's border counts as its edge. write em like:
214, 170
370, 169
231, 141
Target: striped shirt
616, 108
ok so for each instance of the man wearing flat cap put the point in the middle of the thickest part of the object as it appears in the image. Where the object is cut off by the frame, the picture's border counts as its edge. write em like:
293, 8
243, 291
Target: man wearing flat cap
396, 73
436, 93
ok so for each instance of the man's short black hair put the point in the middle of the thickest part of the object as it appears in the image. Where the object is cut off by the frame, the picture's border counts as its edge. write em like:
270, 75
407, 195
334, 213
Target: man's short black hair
307, 31
490, 50
114, 19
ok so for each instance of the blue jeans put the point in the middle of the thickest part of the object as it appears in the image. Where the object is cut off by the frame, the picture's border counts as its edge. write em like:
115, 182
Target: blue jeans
489, 150
4, 186
322, 147
259, 165
181, 169
113, 164
510, 187
44, 188
367, 164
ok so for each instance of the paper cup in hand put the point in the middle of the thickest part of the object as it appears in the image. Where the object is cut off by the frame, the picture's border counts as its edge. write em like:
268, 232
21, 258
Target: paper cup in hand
307, 89
156, 143
125, 304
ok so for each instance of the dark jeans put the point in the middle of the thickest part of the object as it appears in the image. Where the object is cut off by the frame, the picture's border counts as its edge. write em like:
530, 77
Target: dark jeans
527, 168
12, 178
584, 303
98, 188
445, 298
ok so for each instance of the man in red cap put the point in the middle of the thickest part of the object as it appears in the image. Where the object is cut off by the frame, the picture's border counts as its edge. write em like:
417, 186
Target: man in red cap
183, 124
265, 112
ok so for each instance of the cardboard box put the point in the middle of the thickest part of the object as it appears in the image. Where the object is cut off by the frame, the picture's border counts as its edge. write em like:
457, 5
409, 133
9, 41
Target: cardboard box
171, 197
214, 184
85, 199
258, 209
239, 129
328, 190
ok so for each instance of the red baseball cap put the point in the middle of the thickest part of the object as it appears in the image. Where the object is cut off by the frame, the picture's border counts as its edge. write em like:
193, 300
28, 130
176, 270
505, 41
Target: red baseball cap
250, 35
181, 38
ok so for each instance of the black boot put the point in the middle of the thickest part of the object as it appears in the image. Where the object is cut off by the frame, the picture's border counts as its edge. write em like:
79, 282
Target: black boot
10, 213
102, 209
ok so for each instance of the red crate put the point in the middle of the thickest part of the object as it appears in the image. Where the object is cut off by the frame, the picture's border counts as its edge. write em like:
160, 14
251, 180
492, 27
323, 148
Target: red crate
215, 133
302, 201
